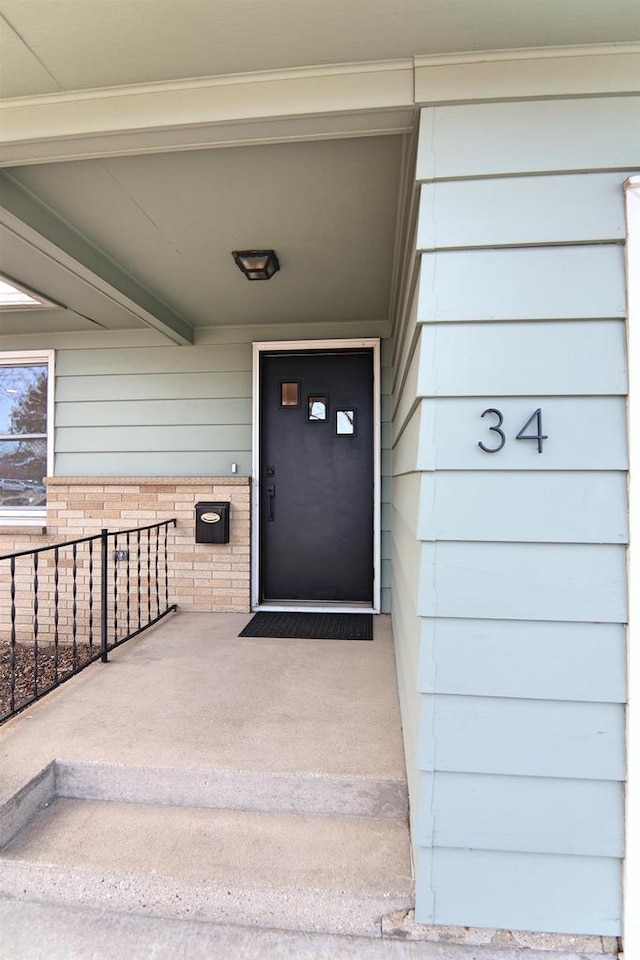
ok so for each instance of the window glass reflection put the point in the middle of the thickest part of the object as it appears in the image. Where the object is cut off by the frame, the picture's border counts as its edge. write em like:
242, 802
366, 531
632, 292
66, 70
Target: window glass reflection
23, 434
317, 407
290, 393
345, 423
23, 399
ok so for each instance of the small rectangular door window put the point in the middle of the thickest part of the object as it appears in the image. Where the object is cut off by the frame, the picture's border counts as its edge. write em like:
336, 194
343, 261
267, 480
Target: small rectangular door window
317, 407
290, 393
345, 423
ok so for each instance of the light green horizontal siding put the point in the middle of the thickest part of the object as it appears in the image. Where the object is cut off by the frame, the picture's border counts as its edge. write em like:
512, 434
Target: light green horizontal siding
518, 810
182, 411
564, 358
407, 627
407, 560
185, 463
523, 814
524, 581
536, 283
113, 386
406, 391
528, 506
519, 891
412, 631
153, 438
406, 331
412, 449
490, 139
526, 659
203, 358
584, 433
527, 738
408, 505
571, 208
406, 554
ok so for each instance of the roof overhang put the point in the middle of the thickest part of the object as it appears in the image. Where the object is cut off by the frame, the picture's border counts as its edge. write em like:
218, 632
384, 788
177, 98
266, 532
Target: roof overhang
274, 107
309, 103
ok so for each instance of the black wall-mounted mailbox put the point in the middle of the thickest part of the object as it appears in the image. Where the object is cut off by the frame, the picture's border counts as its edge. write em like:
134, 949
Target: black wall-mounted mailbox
212, 522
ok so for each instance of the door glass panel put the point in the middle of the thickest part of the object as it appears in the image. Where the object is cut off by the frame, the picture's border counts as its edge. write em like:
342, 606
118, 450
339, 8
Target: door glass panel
345, 423
317, 407
290, 393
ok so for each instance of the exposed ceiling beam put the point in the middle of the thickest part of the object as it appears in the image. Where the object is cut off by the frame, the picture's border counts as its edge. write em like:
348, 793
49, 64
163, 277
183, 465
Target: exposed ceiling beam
306, 103
23, 215
277, 106
205, 137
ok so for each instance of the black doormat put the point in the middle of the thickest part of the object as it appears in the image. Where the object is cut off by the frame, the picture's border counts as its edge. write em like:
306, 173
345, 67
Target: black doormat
310, 626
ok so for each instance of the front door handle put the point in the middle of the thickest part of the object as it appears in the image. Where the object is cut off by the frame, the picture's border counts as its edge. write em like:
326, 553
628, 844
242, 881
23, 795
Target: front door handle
271, 495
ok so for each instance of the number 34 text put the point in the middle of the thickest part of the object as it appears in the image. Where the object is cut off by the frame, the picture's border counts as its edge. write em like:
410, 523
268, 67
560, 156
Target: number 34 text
499, 439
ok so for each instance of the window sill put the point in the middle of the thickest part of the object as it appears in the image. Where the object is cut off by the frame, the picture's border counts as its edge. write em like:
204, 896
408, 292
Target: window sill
15, 522
14, 529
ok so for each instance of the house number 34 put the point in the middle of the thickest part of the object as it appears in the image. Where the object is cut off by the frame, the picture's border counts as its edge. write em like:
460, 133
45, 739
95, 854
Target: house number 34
534, 422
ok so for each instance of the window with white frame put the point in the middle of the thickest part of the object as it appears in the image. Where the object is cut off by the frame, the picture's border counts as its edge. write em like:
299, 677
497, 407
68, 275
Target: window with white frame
26, 435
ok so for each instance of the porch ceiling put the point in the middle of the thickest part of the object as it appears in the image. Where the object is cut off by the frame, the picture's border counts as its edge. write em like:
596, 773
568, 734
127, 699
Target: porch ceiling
133, 236
53, 45
171, 220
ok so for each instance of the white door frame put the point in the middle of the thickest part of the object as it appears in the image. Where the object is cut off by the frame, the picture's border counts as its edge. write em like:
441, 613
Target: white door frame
372, 343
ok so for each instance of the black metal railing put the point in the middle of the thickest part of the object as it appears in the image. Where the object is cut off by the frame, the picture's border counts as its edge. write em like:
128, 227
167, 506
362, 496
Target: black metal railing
65, 605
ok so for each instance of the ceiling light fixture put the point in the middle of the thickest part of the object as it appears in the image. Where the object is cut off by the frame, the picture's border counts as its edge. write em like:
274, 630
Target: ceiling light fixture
257, 264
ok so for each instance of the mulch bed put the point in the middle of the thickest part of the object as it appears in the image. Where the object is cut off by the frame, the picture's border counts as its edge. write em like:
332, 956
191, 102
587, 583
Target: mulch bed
24, 666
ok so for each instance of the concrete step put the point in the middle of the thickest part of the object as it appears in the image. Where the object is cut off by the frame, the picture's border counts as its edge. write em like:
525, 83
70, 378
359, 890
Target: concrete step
302, 793
33, 931
326, 874
233, 789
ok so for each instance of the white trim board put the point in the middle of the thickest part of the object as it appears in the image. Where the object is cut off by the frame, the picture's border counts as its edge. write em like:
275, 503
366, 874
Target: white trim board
372, 343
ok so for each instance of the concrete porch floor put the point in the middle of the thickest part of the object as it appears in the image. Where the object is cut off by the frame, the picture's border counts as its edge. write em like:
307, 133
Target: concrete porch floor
190, 694
202, 775
208, 795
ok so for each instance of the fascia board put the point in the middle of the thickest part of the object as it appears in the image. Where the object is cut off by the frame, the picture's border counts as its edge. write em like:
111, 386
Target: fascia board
310, 103
206, 112
522, 74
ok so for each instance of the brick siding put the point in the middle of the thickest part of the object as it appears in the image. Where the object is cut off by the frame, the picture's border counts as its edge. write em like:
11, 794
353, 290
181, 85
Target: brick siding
202, 577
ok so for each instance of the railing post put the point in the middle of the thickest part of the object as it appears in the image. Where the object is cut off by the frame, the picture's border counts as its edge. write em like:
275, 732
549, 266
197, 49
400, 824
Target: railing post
104, 591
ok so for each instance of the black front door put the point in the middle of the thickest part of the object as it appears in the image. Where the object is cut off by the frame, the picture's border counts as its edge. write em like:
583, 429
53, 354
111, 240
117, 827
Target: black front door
316, 476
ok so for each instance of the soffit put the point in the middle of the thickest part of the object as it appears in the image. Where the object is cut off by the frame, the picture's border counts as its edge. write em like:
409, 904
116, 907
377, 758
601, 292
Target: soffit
70, 45
171, 221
